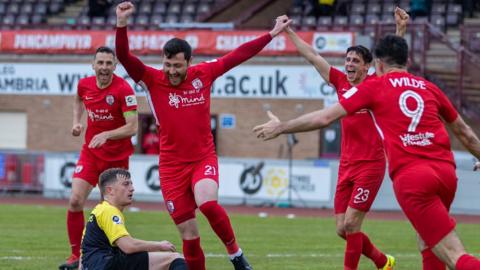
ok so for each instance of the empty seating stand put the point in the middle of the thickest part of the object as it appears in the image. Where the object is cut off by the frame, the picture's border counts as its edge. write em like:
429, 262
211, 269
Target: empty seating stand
362, 13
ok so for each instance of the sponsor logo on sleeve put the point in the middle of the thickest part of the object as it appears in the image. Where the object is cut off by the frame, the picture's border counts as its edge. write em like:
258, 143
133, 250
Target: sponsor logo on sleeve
131, 100
117, 220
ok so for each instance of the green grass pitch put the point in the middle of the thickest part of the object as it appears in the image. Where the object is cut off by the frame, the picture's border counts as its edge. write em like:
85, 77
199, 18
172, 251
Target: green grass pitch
34, 237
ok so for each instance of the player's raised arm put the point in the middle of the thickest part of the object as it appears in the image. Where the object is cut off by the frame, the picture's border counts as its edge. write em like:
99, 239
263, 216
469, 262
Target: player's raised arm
401, 21
307, 122
251, 48
309, 53
78, 110
132, 64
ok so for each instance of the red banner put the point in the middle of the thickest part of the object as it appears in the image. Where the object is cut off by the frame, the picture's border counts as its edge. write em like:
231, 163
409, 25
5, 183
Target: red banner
203, 42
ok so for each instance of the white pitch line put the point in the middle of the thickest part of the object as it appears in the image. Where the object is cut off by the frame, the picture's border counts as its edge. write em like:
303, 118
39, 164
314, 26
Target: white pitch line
311, 255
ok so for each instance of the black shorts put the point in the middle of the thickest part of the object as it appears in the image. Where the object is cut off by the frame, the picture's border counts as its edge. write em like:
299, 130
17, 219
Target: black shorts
134, 261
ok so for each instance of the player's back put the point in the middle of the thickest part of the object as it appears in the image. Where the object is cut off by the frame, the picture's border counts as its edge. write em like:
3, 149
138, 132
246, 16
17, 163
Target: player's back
409, 112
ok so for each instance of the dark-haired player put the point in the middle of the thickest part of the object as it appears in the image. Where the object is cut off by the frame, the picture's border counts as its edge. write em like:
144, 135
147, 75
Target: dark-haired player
179, 96
362, 159
409, 113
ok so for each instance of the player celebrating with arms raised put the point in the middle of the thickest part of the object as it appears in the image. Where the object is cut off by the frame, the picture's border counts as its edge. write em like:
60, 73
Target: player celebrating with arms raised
179, 96
362, 159
408, 111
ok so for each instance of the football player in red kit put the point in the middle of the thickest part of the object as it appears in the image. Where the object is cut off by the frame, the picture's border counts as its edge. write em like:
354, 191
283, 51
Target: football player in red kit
179, 96
111, 122
408, 112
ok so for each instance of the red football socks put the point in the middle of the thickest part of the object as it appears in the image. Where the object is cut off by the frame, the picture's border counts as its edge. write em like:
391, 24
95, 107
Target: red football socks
75, 224
193, 253
467, 262
430, 261
220, 223
353, 251
372, 252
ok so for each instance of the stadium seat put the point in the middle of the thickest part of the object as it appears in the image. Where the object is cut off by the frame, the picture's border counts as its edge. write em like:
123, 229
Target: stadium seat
8, 20
374, 8
309, 22
41, 8
55, 8
23, 20
171, 19
83, 22
296, 10
145, 8
389, 8
438, 20
27, 8
155, 20
455, 9
372, 19
387, 18
159, 8
452, 20
189, 9
174, 8
358, 8
13, 8
187, 18
142, 21
324, 23
203, 8
356, 20
340, 22
38, 19
438, 9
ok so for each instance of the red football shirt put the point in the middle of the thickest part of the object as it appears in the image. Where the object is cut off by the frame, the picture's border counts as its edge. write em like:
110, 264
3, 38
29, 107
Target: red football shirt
407, 110
183, 112
105, 108
360, 139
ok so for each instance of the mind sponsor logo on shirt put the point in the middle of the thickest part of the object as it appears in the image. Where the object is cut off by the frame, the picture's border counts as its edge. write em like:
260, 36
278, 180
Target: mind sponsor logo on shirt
176, 100
100, 115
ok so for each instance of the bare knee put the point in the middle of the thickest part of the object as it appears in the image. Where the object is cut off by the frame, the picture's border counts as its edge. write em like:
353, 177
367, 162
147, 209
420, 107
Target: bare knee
351, 226
341, 231
76, 203
188, 229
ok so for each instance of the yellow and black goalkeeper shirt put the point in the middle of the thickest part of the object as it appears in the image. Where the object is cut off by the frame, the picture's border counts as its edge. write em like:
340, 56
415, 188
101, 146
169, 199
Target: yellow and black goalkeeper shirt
105, 225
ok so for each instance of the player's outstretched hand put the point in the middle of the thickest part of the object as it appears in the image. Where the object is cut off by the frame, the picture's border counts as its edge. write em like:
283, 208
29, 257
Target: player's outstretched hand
77, 129
281, 22
167, 246
476, 167
124, 11
98, 140
401, 17
269, 130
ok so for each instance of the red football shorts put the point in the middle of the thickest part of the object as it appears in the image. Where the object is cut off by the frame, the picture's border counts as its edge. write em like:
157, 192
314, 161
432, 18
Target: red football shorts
177, 180
425, 192
358, 184
89, 167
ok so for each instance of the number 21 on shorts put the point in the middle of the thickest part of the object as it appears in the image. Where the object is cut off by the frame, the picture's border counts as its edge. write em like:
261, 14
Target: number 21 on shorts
210, 170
